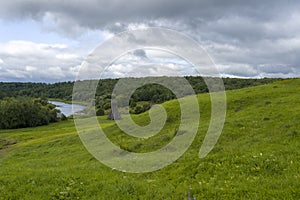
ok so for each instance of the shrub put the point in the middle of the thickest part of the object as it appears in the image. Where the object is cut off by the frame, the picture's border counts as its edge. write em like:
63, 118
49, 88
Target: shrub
100, 112
138, 109
63, 117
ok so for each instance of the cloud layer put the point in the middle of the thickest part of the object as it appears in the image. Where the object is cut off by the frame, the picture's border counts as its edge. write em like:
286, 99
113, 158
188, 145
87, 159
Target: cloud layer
28, 61
245, 38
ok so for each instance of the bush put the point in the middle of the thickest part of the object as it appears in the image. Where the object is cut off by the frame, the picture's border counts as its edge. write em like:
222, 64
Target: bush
63, 117
100, 112
138, 109
146, 107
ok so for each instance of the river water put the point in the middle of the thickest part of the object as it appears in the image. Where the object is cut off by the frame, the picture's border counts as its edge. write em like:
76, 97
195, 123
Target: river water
66, 108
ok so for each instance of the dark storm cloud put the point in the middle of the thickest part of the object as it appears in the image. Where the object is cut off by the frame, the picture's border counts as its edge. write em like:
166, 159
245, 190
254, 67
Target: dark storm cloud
254, 33
96, 14
140, 53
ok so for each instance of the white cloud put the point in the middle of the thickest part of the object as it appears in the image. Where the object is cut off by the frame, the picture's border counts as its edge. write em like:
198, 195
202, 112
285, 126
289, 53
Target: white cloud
138, 64
20, 47
29, 61
135, 26
30, 68
66, 56
238, 70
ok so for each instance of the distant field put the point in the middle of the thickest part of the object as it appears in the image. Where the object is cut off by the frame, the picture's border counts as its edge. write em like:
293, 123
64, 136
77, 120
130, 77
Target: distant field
256, 157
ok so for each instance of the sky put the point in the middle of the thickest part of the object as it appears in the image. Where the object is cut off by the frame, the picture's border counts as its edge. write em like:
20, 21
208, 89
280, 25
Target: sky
47, 41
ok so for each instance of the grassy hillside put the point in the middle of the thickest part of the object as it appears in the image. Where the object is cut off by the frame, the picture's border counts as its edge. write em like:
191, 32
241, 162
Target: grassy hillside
256, 157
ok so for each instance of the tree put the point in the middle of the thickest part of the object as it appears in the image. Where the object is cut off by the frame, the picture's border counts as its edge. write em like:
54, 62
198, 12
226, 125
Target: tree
25, 112
63, 117
100, 112
138, 109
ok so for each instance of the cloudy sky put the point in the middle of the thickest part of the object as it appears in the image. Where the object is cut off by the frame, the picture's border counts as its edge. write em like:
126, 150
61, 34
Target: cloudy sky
46, 41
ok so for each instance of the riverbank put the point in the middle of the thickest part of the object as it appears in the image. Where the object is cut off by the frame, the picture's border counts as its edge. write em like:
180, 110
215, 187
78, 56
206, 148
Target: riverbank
69, 101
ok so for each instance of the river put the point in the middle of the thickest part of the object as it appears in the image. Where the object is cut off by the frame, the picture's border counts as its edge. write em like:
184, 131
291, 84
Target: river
66, 108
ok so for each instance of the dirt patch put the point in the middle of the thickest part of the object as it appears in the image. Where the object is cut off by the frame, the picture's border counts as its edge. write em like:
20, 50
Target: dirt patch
5, 143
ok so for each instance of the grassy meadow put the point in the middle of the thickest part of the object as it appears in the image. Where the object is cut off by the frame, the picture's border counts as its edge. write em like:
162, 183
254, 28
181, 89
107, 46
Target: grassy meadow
256, 157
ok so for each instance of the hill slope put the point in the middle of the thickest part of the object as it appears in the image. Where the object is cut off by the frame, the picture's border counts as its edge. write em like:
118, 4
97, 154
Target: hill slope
256, 157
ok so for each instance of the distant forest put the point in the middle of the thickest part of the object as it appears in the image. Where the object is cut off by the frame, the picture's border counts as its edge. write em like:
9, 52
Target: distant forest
140, 101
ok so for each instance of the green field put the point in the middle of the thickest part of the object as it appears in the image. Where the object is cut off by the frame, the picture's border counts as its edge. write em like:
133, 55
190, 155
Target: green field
256, 157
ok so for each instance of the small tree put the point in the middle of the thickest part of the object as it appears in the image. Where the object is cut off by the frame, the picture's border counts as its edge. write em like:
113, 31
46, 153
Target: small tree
100, 112
63, 117
138, 109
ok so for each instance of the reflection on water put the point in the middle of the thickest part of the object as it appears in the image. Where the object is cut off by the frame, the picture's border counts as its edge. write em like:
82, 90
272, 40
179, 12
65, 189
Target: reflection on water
67, 109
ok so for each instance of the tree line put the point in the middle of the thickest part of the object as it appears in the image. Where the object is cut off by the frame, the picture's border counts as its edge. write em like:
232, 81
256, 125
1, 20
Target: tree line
24, 112
140, 101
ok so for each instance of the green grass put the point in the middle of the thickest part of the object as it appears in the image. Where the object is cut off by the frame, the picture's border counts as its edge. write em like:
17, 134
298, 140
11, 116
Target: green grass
256, 157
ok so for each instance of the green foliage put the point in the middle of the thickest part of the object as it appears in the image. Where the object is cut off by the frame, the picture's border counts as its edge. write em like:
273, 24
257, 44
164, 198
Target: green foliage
152, 93
62, 90
63, 117
24, 112
100, 112
140, 107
